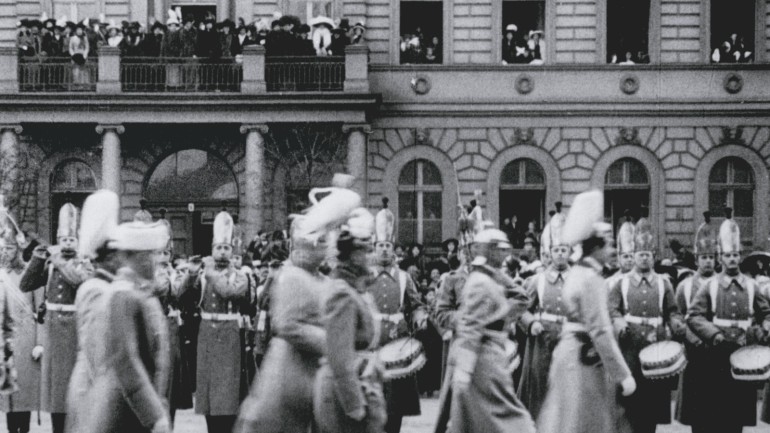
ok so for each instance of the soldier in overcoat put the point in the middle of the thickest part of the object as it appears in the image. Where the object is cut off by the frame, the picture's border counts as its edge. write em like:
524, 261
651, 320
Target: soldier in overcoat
694, 383
222, 292
61, 274
728, 313
27, 339
401, 313
644, 311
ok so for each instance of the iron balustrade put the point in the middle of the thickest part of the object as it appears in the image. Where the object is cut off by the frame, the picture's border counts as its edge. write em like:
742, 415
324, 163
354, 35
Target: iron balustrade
172, 74
304, 73
57, 74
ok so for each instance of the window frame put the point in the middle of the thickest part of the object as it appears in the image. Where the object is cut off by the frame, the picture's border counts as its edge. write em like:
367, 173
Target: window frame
523, 185
731, 186
653, 33
336, 8
447, 37
549, 29
760, 12
419, 189
626, 161
61, 165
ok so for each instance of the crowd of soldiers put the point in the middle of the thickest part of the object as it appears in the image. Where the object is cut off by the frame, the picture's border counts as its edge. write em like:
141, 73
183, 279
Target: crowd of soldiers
120, 338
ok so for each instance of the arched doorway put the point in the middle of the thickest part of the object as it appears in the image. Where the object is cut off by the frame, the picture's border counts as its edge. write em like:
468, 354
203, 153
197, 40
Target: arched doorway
71, 181
626, 186
522, 195
420, 204
192, 179
731, 184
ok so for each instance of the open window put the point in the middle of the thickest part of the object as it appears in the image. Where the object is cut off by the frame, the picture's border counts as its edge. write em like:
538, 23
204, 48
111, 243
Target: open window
421, 32
628, 29
309, 9
523, 31
732, 31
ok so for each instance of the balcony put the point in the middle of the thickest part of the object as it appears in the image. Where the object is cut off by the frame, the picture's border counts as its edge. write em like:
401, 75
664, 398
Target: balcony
253, 73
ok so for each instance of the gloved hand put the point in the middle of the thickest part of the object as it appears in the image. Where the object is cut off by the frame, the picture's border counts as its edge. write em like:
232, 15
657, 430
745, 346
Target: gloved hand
536, 329
628, 385
37, 353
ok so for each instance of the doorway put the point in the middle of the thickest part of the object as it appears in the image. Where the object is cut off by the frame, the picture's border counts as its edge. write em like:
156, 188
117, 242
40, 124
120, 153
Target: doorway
199, 12
528, 206
617, 201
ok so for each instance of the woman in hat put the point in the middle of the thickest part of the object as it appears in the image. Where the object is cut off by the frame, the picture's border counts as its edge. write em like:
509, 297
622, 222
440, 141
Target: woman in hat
114, 35
228, 42
359, 30
509, 43
78, 49
348, 388
536, 47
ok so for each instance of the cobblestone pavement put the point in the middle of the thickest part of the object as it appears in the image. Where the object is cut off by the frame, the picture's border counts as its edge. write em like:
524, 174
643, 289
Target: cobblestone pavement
188, 422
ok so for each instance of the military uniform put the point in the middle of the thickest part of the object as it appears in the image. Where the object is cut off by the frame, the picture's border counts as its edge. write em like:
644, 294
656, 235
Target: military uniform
447, 304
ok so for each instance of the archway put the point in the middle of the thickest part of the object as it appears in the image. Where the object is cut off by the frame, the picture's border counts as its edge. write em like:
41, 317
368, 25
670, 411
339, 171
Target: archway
71, 182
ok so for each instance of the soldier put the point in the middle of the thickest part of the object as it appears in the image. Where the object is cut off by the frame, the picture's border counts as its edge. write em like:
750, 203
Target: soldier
223, 294
641, 306
726, 314
625, 245
61, 273
448, 303
480, 368
27, 339
543, 320
695, 382
129, 389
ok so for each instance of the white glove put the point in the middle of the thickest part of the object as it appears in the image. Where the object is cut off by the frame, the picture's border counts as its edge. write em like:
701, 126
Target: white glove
628, 385
162, 426
536, 329
37, 353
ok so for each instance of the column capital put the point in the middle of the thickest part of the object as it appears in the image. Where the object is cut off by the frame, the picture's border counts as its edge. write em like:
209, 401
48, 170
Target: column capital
117, 128
351, 127
256, 127
14, 127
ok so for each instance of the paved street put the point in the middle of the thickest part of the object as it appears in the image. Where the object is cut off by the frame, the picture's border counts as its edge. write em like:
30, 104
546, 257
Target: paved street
188, 422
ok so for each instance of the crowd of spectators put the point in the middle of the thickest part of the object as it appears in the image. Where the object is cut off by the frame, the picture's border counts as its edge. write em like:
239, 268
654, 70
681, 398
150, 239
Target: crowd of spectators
733, 50
416, 47
523, 48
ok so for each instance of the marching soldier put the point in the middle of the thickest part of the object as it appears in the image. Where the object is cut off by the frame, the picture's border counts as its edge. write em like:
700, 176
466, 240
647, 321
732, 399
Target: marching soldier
27, 341
61, 274
222, 292
448, 303
641, 306
625, 246
695, 382
727, 314
542, 322
248, 363
401, 313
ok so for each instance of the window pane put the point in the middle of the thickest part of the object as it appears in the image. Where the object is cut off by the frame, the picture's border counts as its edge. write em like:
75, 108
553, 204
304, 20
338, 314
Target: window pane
430, 174
510, 175
74, 175
407, 231
732, 31
742, 172
407, 205
533, 173
743, 202
421, 32
408, 174
432, 234
615, 173
719, 172
637, 174
627, 31
431, 202
527, 16
306, 10
190, 175
717, 201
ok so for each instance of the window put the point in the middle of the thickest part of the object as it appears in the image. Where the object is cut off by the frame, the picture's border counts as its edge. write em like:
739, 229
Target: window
628, 26
189, 176
522, 181
71, 182
419, 204
731, 184
732, 31
308, 9
523, 31
626, 187
421, 31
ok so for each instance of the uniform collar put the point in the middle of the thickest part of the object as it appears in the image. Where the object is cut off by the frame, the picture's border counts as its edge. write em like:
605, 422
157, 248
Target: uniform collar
740, 279
637, 277
552, 274
390, 271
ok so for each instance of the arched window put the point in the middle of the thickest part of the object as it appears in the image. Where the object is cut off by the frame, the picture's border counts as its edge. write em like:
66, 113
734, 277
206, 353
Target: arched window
72, 181
522, 181
731, 184
194, 177
626, 186
419, 204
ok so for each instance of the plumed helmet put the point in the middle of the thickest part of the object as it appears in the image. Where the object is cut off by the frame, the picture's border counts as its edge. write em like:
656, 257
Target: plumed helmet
705, 237
385, 223
223, 229
729, 234
68, 221
98, 222
585, 217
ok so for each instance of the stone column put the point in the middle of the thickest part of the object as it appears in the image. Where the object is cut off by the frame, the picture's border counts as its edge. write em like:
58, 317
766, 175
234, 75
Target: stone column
9, 160
252, 217
357, 160
111, 162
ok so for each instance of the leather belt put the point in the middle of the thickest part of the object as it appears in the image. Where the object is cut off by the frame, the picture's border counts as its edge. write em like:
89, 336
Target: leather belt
393, 318
725, 323
66, 308
230, 317
556, 318
648, 321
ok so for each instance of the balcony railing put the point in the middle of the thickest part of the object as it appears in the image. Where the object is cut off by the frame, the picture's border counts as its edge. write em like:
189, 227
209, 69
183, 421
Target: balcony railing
153, 74
56, 74
304, 74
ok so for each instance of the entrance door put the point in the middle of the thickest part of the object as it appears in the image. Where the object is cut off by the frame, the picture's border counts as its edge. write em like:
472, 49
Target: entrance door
617, 201
526, 205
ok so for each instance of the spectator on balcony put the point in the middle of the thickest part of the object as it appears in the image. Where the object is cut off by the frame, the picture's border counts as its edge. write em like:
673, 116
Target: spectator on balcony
131, 45
25, 41
228, 42
53, 42
305, 44
152, 43
79, 49
114, 34
339, 42
433, 51
94, 36
208, 41
509, 44
172, 44
357, 33
629, 59
536, 47
322, 34
242, 39
189, 37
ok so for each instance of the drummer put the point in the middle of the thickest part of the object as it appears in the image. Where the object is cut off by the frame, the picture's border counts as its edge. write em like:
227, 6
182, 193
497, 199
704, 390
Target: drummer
401, 314
625, 245
695, 381
641, 305
727, 314
542, 322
